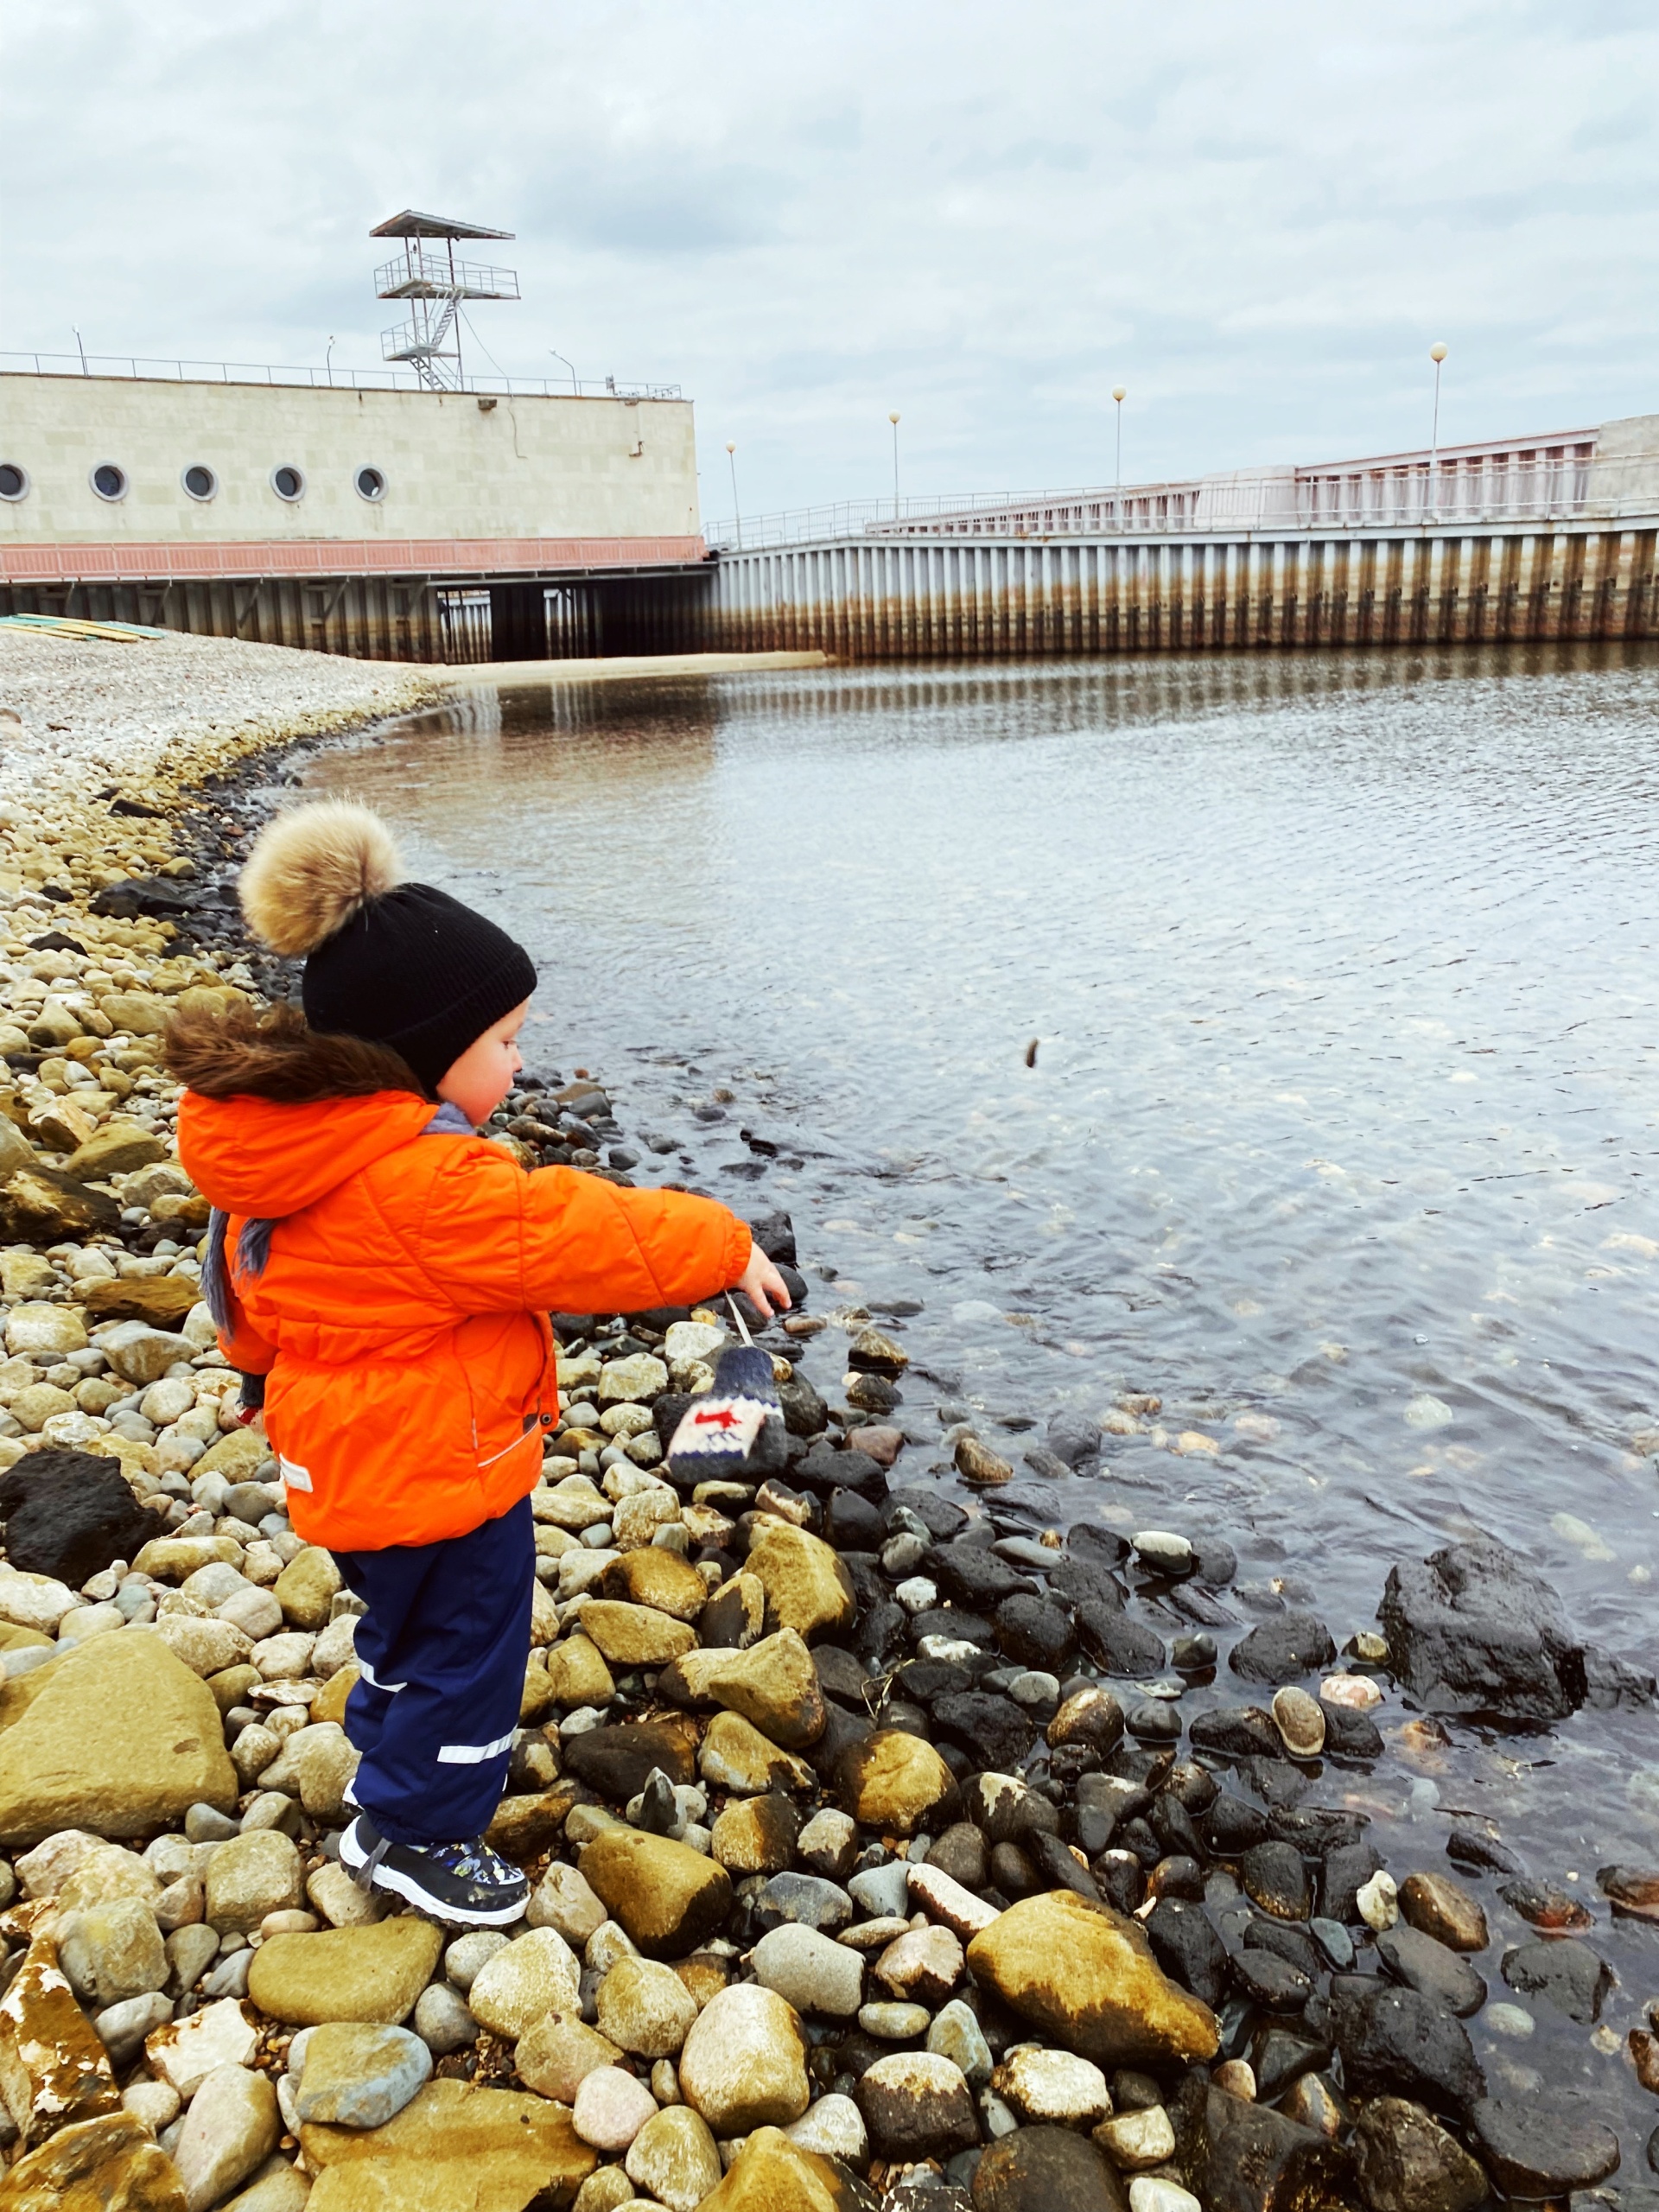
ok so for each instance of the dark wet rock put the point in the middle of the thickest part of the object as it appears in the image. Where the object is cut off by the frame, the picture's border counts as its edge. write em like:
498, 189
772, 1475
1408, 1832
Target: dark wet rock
1013, 1872
843, 1730
1542, 2147
1283, 1649
1282, 1782
1235, 1731
1408, 2163
1422, 1963
1138, 1835
1173, 1827
1351, 1735
1245, 2158
970, 1575
1397, 2041
1120, 1878
1154, 1720
1317, 1830
803, 1900
1081, 1581
1346, 1871
1473, 1630
1004, 1808
961, 1853
1275, 1879
960, 1626
841, 1675
1280, 2055
825, 1469
1046, 2169
1270, 1982
1335, 1942
1117, 1643
1043, 1463
1214, 1562
1468, 1845
882, 1629
993, 1728
1100, 1803
1233, 1826
804, 1410
1633, 1891
941, 1516
1185, 1945
1035, 1632
1090, 1540
1191, 1786
1201, 1606
851, 1523
68, 1514
1057, 1868
1073, 1440
618, 1760
1176, 1876
1193, 1655
1566, 1974
1287, 1940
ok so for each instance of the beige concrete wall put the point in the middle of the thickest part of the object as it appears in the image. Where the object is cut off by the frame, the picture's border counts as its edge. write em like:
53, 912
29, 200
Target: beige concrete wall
523, 467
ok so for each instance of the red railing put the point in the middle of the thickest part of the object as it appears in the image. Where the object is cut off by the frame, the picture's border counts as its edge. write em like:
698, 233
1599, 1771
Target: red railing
202, 560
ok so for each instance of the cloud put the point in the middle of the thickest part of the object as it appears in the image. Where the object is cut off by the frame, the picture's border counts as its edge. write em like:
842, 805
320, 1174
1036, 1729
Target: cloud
1257, 218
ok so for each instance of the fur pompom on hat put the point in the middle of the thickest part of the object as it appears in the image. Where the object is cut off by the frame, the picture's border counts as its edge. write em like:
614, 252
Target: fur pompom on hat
393, 963
312, 870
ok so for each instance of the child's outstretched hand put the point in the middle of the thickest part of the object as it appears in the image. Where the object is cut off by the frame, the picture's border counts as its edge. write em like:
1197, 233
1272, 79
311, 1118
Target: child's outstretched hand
763, 1285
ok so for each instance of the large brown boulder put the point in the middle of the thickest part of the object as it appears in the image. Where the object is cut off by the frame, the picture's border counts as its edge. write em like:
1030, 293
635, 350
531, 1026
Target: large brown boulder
1084, 1976
118, 1737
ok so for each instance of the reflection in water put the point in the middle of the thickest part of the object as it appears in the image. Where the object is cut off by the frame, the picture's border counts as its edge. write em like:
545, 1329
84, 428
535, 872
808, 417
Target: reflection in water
1341, 1132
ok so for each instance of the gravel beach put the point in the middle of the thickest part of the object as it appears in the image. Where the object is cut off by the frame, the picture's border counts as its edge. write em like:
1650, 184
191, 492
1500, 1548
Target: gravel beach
883, 1850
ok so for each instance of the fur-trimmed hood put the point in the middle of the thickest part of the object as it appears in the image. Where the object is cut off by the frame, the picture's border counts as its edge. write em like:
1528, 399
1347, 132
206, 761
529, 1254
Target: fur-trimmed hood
273, 1053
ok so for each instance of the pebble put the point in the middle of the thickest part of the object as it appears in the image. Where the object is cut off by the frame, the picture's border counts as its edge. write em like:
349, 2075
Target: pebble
1150, 2194
1378, 1901
809, 1971
442, 2021
894, 2022
610, 2108
231, 2128
834, 2127
674, 2159
358, 2075
955, 2033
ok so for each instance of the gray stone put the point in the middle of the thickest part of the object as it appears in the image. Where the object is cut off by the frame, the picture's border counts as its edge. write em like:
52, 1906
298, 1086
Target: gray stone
883, 1892
230, 2129
112, 1951
357, 2074
1408, 2163
957, 2034
810, 1972
442, 2022
122, 2028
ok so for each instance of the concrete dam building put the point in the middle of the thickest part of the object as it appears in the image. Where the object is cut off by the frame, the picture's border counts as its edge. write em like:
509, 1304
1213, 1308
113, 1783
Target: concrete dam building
401, 516
409, 525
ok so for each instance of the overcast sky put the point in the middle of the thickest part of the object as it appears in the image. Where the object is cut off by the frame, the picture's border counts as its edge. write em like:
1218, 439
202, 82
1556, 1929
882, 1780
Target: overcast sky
1257, 218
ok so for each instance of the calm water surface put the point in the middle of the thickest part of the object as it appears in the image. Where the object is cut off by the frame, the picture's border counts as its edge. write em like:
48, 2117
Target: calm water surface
1341, 1136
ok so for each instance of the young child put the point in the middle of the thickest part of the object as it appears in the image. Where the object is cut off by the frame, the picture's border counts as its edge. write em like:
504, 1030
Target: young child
390, 1275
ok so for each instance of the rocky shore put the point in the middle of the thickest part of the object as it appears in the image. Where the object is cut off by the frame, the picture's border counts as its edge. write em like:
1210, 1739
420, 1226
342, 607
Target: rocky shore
884, 1849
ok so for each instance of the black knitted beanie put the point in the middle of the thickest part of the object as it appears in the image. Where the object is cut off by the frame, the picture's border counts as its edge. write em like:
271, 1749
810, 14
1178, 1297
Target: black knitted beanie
398, 964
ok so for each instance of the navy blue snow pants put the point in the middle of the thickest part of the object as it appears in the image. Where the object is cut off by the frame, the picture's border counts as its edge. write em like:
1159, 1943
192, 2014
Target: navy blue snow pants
442, 1649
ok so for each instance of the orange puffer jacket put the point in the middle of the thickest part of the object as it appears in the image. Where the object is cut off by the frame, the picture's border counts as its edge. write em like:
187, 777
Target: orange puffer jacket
401, 1313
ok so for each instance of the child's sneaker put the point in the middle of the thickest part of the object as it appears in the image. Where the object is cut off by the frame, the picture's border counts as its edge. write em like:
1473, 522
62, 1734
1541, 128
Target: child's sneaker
462, 1882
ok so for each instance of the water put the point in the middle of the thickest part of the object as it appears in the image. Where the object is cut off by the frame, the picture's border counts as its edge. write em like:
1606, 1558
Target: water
1340, 1134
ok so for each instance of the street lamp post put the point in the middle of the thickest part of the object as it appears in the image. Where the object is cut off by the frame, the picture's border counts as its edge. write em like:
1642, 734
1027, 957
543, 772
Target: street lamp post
731, 456
1119, 394
893, 419
1437, 353
328, 359
576, 386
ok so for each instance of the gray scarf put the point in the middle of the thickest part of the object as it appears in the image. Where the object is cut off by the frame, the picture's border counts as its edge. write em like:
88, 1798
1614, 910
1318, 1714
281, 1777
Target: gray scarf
253, 1246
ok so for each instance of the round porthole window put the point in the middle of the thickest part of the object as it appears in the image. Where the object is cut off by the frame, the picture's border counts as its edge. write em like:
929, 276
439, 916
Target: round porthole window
288, 482
14, 480
200, 482
108, 481
371, 484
